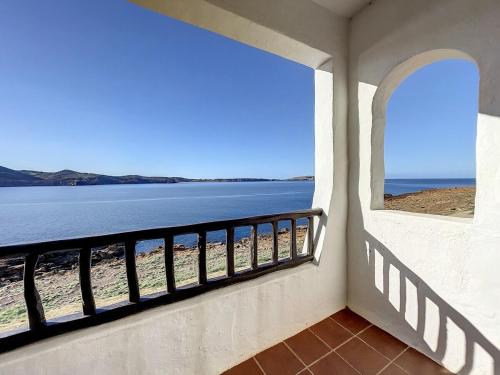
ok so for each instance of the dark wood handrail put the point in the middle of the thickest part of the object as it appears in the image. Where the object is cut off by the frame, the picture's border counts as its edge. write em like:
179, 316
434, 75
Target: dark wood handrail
39, 328
103, 240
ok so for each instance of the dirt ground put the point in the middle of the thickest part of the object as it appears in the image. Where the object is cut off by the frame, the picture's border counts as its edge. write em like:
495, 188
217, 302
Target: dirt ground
60, 288
458, 202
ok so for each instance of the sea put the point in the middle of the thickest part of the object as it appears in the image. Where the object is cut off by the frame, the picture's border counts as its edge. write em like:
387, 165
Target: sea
34, 214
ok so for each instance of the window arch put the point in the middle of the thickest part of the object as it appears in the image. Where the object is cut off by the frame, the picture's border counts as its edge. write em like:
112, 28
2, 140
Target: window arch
424, 116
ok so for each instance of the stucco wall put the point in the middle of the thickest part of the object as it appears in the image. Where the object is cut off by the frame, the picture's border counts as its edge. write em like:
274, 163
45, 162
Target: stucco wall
431, 281
213, 332
204, 335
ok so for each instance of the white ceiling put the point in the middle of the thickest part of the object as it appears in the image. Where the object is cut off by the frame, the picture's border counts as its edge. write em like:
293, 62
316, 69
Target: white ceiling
345, 8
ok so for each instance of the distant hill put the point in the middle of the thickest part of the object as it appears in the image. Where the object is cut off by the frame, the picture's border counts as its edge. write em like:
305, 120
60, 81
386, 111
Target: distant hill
71, 178
302, 178
12, 178
9, 177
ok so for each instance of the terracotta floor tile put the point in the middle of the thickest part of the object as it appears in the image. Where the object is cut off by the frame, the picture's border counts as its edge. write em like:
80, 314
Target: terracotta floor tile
332, 364
279, 360
362, 357
249, 367
415, 362
393, 370
331, 333
383, 342
307, 346
350, 320
366, 354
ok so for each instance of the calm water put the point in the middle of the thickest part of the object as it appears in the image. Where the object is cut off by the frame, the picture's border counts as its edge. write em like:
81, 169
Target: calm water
31, 214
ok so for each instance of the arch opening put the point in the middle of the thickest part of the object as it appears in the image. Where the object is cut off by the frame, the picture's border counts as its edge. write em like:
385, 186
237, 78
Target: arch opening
424, 136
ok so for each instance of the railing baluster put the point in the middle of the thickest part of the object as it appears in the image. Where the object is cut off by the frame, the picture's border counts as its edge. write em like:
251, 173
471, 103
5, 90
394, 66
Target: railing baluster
255, 260
275, 242
34, 307
293, 239
88, 303
230, 251
132, 279
32, 252
310, 230
202, 257
169, 262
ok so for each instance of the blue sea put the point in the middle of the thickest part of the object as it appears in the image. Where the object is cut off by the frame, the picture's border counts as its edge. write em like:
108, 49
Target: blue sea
32, 214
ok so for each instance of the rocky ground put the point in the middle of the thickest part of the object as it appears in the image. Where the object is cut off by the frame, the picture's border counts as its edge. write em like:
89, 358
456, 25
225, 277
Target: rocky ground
458, 202
57, 274
58, 283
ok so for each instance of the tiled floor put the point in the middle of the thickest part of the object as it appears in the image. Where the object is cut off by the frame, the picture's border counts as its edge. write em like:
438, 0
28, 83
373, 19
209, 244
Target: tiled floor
343, 344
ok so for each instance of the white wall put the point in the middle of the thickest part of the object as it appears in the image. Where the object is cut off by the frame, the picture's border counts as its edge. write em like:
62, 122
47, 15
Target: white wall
213, 332
203, 335
432, 281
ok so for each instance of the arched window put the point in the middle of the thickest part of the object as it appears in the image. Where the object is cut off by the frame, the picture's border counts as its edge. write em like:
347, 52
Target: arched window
430, 139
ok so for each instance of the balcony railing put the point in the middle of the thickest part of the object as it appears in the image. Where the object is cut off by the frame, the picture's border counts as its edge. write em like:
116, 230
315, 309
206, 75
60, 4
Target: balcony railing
40, 328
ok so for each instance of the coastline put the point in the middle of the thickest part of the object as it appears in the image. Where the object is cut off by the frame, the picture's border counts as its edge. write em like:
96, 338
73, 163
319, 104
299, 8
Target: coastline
67, 177
456, 202
57, 275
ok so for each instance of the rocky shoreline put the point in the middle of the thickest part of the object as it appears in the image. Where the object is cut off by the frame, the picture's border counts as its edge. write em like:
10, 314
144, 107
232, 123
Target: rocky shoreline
11, 269
57, 273
57, 276
457, 202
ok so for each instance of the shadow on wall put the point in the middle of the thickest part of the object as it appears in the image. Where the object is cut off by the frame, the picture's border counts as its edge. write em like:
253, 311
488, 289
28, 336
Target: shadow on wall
319, 228
414, 311
413, 287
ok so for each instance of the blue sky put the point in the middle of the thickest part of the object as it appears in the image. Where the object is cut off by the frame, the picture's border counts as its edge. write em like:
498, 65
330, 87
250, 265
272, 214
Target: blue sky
431, 123
109, 87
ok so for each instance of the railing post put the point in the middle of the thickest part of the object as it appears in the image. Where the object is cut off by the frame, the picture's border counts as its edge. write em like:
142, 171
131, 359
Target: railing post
132, 279
34, 306
31, 253
202, 257
88, 303
169, 262
310, 230
275, 242
230, 251
293, 239
254, 250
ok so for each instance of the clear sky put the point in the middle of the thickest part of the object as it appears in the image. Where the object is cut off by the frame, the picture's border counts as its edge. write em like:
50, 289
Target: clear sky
431, 123
110, 87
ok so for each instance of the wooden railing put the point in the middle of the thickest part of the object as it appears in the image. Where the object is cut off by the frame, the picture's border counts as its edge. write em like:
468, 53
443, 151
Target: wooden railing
40, 328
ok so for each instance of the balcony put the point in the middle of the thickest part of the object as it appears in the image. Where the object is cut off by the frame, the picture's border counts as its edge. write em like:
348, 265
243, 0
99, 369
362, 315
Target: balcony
372, 291
344, 342
40, 328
